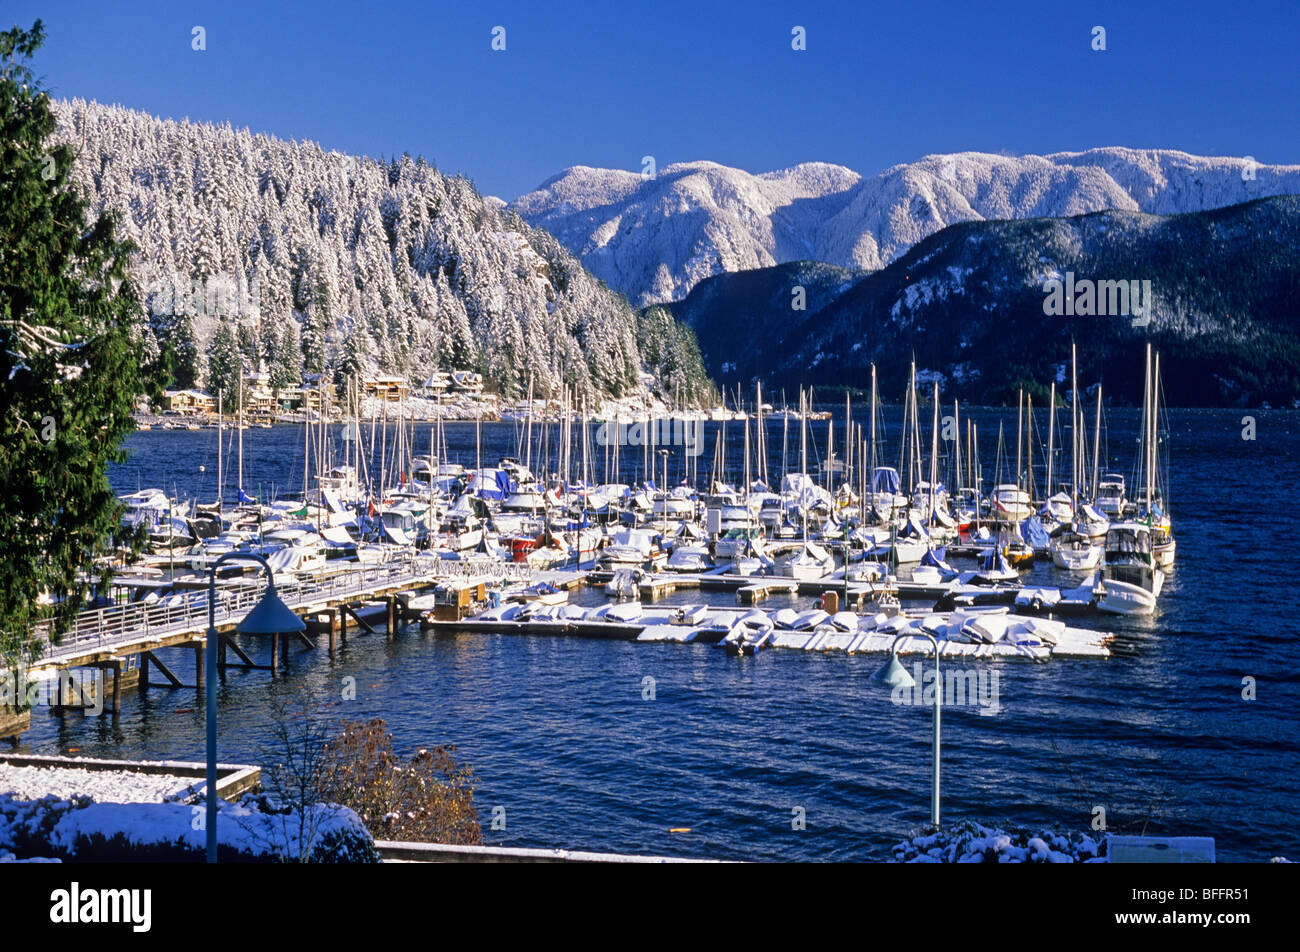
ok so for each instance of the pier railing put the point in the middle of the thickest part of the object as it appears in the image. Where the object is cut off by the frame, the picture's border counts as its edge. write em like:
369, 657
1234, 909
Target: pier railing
107, 628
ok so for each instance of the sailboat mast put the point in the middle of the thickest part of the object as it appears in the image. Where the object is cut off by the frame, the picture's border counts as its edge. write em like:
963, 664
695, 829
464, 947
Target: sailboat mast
873, 417
956, 446
1020, 432
934, 450
1051, 439
848, 440
528, 429
1074, 426
1155, 435
241, 427
803, 457
1096, 446
1029, 441
1150, 431
219, 430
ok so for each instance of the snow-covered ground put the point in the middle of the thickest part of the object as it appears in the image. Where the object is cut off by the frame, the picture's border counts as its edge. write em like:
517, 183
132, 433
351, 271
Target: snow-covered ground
102, 786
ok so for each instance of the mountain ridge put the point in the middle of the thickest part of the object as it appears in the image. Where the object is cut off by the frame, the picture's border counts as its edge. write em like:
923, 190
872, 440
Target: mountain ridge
973, 305
656, 237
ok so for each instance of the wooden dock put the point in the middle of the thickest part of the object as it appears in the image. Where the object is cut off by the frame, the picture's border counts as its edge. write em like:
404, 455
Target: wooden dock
123, 641
759, 590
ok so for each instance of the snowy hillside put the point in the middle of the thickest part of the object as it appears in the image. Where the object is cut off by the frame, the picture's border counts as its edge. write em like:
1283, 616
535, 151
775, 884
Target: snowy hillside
656, 238
1217, 294
324, 262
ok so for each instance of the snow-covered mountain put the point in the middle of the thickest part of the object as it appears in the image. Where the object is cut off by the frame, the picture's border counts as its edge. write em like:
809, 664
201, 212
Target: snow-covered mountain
656, 237
1216, 292
325, 262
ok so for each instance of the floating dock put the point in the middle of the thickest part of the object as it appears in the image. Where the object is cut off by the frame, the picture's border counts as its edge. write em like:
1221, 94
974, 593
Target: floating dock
973, 633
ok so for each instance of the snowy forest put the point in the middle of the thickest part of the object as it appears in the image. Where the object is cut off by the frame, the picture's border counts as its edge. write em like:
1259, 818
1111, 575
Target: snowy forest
320, 262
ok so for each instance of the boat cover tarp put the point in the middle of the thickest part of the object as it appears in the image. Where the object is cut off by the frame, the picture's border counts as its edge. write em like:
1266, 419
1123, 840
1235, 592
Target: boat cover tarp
336, 535
884, 479
935, 556
492, 484
1032, 531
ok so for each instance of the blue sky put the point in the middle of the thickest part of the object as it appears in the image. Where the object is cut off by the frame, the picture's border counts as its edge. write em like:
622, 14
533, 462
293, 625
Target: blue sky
607, 83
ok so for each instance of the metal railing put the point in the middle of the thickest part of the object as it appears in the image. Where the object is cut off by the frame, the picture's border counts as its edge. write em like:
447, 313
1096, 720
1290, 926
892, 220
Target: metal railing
178, 614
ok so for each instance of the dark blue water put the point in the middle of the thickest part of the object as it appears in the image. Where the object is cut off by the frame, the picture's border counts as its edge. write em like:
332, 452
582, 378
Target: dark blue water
558, 734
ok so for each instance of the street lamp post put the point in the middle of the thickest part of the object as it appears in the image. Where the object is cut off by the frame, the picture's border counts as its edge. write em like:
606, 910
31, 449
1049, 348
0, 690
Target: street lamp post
268, 617
893, 675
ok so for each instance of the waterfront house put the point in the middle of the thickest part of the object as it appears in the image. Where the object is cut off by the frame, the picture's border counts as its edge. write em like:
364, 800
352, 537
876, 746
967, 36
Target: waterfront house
261, 398
466, 381
386, 387
190, 402
435, 385
298, 398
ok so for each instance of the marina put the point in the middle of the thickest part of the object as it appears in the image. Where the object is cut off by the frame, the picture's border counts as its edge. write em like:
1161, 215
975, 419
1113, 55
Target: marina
473, 544
663, 634
905, 491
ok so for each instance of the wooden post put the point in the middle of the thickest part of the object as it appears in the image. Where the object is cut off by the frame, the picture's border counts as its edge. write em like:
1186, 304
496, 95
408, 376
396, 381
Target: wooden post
392, 616
117, 689
199, 661
275, 653
144, 671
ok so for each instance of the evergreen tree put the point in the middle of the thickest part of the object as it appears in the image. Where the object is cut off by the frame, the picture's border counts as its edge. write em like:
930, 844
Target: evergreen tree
249, 346
256, 230
68, 370
184, 353
224, 363
286, 369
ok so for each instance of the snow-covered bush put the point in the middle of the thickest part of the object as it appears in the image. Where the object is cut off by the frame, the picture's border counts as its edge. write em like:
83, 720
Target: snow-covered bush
969, 842
81, 830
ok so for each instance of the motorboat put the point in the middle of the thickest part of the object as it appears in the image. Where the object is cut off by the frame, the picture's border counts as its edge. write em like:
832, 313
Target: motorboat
542, 593
1009, 504
1130, 580
1111, 500
1075, 552
806, 563
689, 558
736, 542
632, 548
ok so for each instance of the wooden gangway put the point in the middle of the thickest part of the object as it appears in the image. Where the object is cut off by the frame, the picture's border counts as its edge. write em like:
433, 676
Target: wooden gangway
99, 634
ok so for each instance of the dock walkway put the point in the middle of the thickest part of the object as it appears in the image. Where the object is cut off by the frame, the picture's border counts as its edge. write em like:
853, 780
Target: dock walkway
102, 633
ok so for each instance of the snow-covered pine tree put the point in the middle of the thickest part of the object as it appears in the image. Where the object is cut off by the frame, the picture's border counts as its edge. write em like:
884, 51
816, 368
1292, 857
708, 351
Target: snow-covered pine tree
439, 278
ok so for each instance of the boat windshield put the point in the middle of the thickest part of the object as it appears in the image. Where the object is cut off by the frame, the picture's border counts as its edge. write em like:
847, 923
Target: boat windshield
1127, 542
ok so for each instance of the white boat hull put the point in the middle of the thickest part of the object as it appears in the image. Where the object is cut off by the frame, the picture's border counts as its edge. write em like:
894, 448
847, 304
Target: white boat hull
1164, 554
1124, 598
1076, 558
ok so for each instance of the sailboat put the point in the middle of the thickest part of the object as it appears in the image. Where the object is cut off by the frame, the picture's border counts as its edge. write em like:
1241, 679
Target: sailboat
1076, 549
1155, 512
810, 561
1131, 577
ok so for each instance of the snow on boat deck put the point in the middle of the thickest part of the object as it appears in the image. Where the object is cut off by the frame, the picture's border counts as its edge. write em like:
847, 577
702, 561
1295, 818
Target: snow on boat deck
987, 633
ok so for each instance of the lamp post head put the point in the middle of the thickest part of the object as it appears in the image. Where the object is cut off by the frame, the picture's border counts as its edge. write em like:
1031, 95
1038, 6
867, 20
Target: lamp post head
270, 616
892, 674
